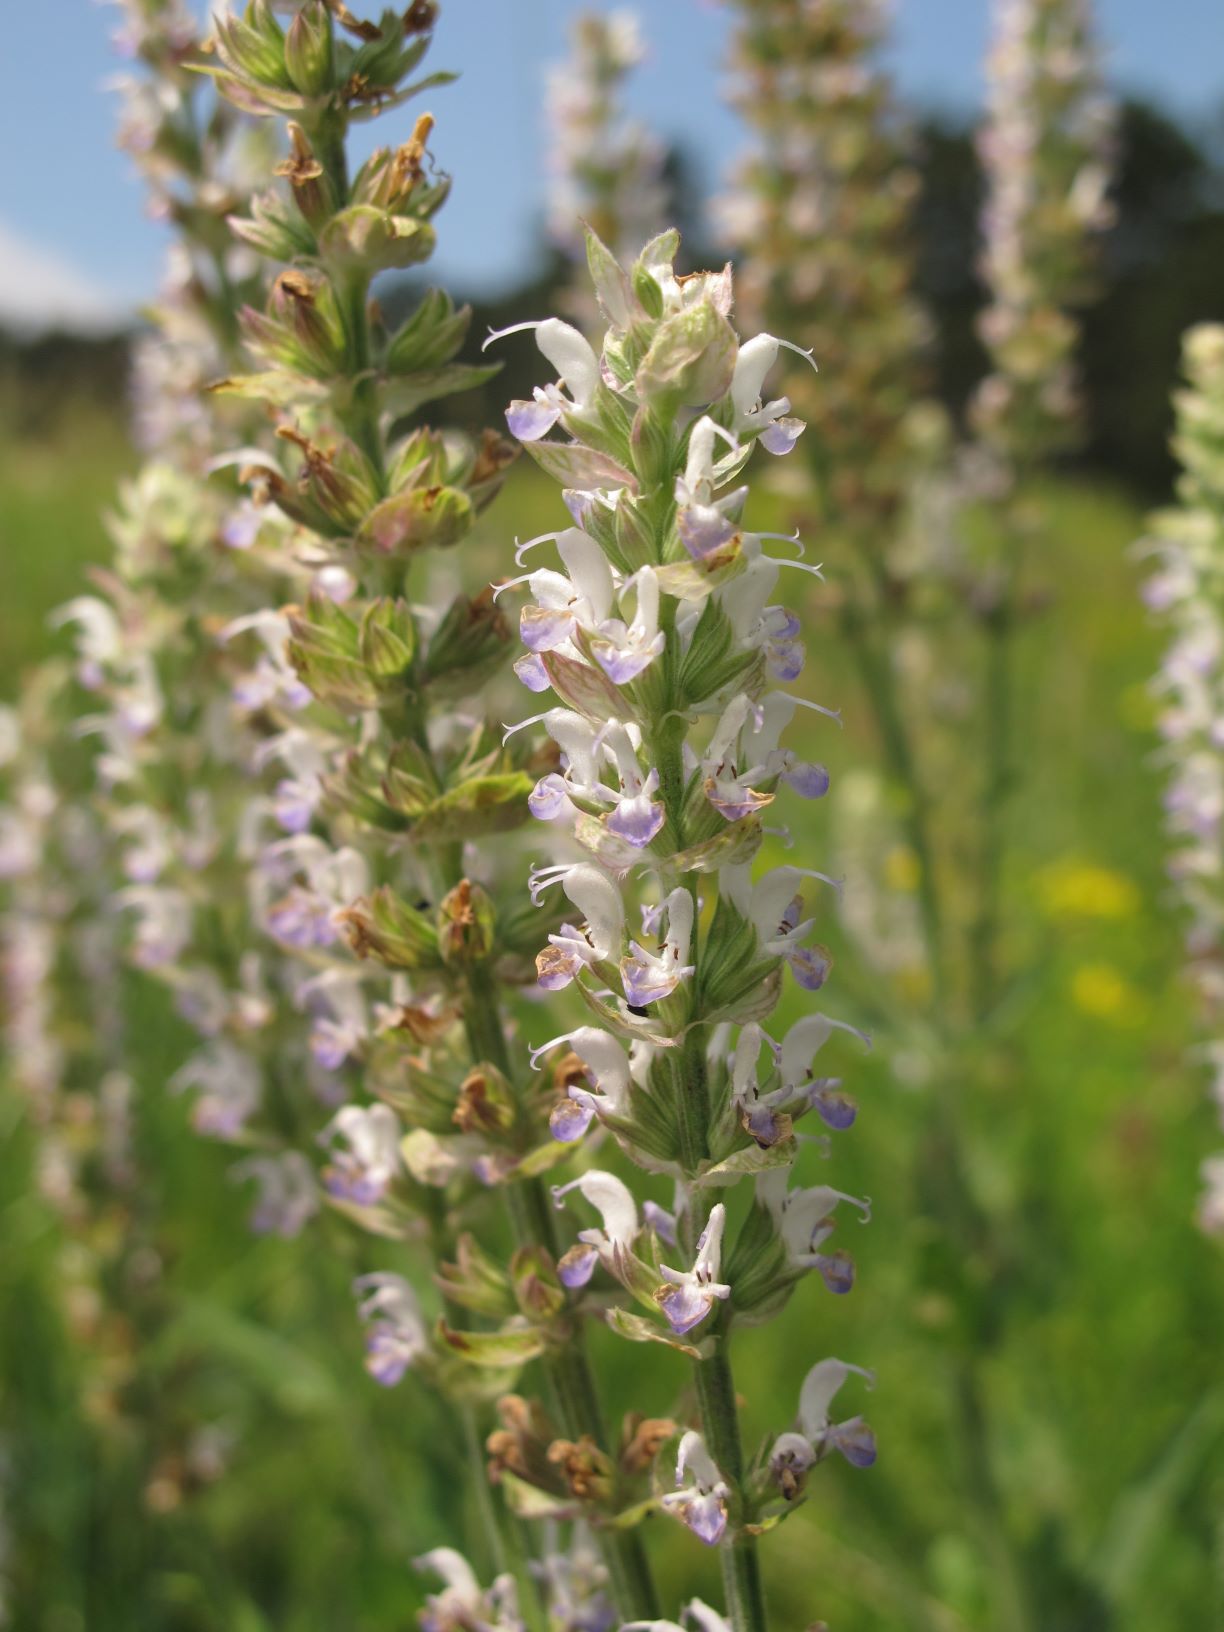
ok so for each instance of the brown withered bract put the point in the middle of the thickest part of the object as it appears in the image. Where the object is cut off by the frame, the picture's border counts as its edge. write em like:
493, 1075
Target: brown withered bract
520, 1446
423, 1026
304, 173
642, 1438
420, 16
407, 165
479, 1109
588, 1472
357, 26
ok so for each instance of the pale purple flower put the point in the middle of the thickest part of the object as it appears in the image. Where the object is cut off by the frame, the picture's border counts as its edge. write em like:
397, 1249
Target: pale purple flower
396, 1335
804, 1219
287, 1197
608, 1072
649, 977
363, 1143
571, 355
702, 1502
228, 1084
618, 1210
769, 421
691, 1293
796, 1452
462, 1606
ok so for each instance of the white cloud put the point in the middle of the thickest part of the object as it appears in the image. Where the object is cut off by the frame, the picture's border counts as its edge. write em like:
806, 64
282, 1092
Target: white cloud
40, 290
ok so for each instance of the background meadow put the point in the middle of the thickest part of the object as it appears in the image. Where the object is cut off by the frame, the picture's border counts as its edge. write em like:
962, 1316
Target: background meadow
212, 1456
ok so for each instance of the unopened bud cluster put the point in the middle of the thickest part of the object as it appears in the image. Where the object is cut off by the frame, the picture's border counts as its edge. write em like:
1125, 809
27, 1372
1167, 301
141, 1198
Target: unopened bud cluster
820, 211
1045, 152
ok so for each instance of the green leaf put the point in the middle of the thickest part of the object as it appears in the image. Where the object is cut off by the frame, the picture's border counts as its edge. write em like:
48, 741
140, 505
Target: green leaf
529, 1503
540, 1160
1143, 1514
586, 688
276, 386
512, 1346
623, 1024
577, 467
751, 1160
739, 841
486, 804
405, 395
640, 1330
380, 1221
418, 519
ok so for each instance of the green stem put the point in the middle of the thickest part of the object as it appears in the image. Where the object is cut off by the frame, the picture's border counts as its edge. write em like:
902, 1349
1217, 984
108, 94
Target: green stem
718, 1409
879, 682
566, 1365
715, 1384
575, 1400
741, 1564
362, 417
996, 750
986, 1501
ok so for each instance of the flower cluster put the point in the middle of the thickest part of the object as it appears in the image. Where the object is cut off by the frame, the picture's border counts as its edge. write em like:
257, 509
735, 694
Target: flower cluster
820, 211
1045, 152
1185, 591
665, 653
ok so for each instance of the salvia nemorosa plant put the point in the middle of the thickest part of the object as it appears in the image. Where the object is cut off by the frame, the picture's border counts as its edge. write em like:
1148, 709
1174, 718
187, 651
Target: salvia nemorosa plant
667, 662
312, 818
1185, 590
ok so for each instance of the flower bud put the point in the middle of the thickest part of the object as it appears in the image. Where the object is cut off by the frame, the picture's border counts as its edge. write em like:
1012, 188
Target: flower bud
308, 49
466, 921
419, 518
537, 1288
382, 925
472, 638
476, 1281
431, 336
486, 1103
387, 640
588, 1472
690, 360
365, 240
520, 1446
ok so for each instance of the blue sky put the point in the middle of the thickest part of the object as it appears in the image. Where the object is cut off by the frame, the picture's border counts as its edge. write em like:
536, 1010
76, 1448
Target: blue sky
71, 220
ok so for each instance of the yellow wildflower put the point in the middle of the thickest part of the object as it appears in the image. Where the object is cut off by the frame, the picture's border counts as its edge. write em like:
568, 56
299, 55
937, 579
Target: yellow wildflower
1101, 990
1080, 889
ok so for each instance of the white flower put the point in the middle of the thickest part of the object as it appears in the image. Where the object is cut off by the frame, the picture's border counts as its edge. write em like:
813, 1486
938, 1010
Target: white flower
616, 1206
794, 1453
396, 1335
364, 1145
702, 1502
691, 1294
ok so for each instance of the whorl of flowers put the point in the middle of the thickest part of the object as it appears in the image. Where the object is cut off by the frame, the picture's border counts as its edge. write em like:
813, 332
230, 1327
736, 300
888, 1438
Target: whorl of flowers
606, 168
667, 660
1187, 592
1045, 150
819, 211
